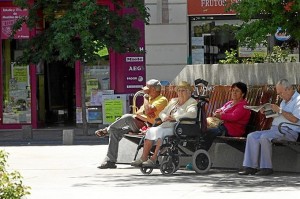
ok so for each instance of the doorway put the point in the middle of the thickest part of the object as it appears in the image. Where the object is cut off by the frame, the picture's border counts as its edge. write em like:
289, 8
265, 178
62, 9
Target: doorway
56, 93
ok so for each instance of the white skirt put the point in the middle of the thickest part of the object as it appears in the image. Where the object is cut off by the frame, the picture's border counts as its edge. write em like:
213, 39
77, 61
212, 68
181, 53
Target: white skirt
158, 132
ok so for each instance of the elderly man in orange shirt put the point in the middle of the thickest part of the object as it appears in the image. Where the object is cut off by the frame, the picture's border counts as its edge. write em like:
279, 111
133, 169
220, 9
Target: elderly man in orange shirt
154, 103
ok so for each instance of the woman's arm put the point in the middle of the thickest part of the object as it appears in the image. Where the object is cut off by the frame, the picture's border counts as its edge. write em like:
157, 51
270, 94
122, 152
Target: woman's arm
190, 110
236, 113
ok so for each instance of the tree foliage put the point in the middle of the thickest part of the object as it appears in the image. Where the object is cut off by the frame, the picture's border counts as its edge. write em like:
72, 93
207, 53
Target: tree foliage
277, 55
11, 183
262, 18
76, 29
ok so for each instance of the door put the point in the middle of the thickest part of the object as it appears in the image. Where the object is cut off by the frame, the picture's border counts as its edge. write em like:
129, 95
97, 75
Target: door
59, 92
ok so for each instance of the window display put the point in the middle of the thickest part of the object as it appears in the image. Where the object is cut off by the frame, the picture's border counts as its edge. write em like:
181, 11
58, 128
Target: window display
97, 79
16, 97
210, 38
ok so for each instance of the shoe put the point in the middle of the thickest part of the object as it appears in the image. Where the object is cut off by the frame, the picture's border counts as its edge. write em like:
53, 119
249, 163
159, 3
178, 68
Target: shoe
149, 163
101, 132
108, 165
248, 171
137, 163
264, 172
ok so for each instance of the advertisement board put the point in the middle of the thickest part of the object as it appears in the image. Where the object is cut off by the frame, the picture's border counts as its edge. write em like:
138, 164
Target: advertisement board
208, 7
114, 106
134, 64
9, 15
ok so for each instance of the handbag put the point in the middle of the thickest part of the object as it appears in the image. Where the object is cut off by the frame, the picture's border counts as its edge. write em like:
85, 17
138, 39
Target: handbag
213, 122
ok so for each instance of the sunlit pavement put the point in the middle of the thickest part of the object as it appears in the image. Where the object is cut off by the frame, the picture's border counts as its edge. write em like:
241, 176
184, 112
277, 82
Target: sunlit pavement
71, 172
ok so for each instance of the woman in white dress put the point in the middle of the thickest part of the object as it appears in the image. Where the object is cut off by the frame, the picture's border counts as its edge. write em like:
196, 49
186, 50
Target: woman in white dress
182, 106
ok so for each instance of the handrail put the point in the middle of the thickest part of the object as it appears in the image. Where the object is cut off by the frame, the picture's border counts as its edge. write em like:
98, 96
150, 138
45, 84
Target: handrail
134, 107
288, 123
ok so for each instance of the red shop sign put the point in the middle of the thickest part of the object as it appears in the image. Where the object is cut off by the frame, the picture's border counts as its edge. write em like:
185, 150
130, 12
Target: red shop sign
9, 16
208, 7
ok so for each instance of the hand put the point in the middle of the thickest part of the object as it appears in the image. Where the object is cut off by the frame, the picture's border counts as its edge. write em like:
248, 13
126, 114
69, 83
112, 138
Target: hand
218, 111
151, 115
217, 115
275, 108
262, 111
169, 118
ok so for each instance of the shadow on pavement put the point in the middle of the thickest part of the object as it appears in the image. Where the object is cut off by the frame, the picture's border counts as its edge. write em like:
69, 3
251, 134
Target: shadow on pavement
218, 180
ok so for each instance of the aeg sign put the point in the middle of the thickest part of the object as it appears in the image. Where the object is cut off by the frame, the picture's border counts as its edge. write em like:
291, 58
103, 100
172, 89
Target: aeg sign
136, 68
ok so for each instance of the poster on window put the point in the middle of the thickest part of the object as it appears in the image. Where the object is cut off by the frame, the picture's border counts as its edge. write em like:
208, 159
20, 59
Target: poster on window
198, 56
20, 74
9, 15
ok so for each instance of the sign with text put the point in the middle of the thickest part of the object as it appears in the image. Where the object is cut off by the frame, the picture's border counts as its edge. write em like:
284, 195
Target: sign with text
113, 110
134, 63
113, 107
9, 15
208, 7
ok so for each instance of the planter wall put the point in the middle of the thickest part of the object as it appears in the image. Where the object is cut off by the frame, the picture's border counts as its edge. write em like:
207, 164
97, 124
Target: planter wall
251, 74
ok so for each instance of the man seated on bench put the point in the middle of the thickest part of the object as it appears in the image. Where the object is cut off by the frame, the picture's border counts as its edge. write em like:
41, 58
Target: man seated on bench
258, 151
232, 115
154, 103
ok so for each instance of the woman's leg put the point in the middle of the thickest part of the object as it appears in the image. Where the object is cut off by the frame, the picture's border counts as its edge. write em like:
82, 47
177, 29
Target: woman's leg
147, 148
210, 135
157, 148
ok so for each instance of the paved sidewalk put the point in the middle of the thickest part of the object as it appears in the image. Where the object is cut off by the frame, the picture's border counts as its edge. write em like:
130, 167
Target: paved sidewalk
48, 136
63, 172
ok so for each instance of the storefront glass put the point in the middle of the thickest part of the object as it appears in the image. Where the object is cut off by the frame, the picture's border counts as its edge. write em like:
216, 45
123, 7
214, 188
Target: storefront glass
16, 97
97, 83
210, 37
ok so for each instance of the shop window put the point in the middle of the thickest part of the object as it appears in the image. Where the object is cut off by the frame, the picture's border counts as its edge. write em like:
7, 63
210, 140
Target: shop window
16, 97
211, 38
97, 82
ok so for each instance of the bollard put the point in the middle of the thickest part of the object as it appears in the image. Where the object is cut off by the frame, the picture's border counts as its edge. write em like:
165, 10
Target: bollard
68, 137
27, 132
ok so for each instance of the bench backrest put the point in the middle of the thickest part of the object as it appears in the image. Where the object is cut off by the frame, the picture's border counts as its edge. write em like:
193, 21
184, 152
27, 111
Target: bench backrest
169, 92
220, 94
256, 95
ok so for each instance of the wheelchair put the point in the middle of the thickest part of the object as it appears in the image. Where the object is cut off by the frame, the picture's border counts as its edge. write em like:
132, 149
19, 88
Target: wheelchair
187, 141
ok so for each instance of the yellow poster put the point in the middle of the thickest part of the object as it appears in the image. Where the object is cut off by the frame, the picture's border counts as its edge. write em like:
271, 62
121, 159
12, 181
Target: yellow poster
113, 109
90, 85
20, 73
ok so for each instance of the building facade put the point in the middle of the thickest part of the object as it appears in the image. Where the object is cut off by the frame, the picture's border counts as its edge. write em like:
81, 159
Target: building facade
180, 33
49, 93
185, 32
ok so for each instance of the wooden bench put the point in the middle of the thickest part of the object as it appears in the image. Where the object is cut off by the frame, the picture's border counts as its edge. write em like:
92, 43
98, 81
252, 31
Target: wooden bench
256, 95
218, 96
286, 153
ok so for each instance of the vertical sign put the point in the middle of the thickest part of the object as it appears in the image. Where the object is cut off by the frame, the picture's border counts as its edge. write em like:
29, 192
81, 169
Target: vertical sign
134, 64
9, 16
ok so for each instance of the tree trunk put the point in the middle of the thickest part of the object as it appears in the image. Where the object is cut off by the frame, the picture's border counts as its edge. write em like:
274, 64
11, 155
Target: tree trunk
83, 89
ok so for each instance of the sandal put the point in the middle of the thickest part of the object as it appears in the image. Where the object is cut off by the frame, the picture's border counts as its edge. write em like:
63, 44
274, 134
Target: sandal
149, 163
101, 132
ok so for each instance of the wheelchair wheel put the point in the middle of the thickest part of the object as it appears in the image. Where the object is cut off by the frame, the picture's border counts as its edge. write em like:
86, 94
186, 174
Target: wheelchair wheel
167, 168
201, 161
175, 160
146, 170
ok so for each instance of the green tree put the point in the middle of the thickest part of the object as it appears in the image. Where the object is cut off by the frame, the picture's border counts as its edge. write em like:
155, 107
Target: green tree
76, 30
11, 184
262, 18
